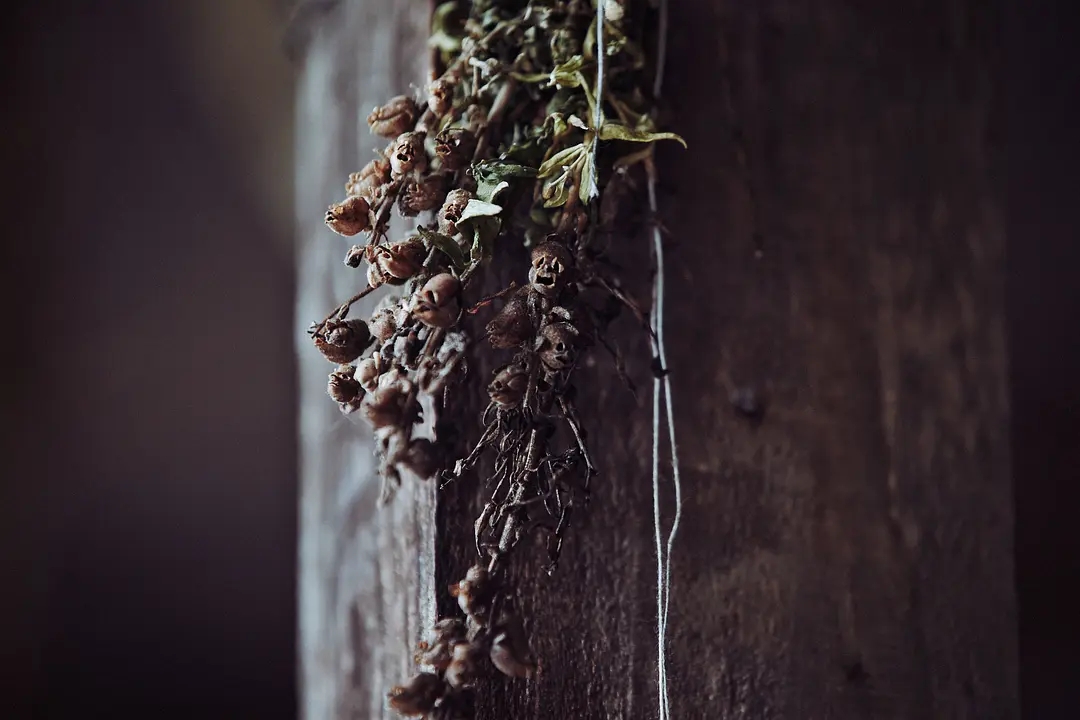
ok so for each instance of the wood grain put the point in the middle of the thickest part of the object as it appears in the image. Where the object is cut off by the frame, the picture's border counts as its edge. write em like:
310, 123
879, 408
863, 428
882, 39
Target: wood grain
847, 556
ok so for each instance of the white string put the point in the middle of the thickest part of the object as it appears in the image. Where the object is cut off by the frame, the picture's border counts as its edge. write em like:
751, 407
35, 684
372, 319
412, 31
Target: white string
663, 561
663, 555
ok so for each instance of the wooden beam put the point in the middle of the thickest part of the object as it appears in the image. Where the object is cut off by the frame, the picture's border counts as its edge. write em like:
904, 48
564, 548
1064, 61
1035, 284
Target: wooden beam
835, 246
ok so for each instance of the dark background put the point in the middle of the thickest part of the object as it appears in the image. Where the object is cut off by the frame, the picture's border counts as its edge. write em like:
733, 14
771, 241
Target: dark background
149, 491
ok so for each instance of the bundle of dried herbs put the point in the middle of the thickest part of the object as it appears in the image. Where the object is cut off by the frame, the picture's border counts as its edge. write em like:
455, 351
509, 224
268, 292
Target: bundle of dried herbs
513, 143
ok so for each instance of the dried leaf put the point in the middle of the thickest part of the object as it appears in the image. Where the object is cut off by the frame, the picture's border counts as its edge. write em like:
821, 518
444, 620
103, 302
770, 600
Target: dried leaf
492, 177
564, 158
478, 208
447, 245
617, 131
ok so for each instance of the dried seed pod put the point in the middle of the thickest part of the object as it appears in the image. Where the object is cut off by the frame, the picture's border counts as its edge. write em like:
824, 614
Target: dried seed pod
344, 389
373, 175
513, 325
419, 195
556, 345
368, 371
383, 323
408, 154
375, 276
440, 96
508, 386
417, 696
349, 217
423, 458
473, 593
355, 255
437, 304
551, 264
455, 147
510, 649
450, 212
437, 649
342, 341
393, 118
400, 261
464, 665
390, 405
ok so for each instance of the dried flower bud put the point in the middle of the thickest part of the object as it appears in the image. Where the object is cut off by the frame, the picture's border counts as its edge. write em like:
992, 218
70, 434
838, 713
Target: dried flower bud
423, 458
437, 304
421, 194
389, 405
450, 213
418, 696
440, 96
557, 345
551, 263
355, 255
513, 325
437, 649
400, 261
510, 649
473, 593
342, 341
373, 175
350, 216
508, 386
394, 118
383, 324
455, 147
408, 154
375, 276
344, 389
368, 371
462, 670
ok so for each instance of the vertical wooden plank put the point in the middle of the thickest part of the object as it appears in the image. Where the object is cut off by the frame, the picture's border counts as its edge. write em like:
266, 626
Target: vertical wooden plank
847, 555
365, 572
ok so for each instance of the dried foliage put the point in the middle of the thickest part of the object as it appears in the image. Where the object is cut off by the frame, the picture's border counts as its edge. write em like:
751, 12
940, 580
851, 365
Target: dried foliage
504, 148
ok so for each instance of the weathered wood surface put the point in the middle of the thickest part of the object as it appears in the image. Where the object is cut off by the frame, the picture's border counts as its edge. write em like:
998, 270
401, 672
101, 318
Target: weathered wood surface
365, 573
849, 556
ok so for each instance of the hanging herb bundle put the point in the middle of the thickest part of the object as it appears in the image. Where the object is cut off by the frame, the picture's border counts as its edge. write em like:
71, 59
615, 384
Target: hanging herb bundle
512, 144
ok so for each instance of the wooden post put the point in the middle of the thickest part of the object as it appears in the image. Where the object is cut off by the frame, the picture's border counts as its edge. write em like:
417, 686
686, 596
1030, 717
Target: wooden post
835, 245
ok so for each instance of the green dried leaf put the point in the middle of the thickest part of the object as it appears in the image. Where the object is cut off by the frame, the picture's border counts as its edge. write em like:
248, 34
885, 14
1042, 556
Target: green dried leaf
587, 189
556, 190
617, 131
478, 208
447, 245
485, 230
564, 158
493, 176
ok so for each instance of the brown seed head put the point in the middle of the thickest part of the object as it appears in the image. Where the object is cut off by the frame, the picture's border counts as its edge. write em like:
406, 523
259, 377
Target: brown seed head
423, 458
440, 97
513, 324
402, 260
464, 665
508, 386
451, 210
394, 118
455, 147
349, 217
551, 264
344, 389
419, 195
389, 406
417, 696
557, 345
437, 303
408, 154
342, 341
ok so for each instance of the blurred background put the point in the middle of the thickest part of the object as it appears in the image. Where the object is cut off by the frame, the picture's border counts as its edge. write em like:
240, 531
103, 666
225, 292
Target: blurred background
150, 483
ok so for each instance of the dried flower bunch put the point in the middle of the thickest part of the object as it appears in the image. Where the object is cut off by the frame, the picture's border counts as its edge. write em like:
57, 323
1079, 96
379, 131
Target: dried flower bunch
512, 144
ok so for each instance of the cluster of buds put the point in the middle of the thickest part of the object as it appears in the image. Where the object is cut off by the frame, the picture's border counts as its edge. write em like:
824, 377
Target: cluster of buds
455, 651
500, 123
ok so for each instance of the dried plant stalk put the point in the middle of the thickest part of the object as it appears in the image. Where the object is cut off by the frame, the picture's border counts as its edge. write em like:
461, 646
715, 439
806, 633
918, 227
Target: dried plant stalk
511, 144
